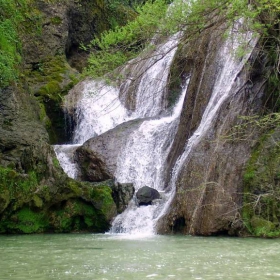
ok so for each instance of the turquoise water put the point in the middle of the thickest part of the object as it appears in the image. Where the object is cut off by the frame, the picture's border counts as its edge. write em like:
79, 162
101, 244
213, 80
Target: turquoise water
88, 256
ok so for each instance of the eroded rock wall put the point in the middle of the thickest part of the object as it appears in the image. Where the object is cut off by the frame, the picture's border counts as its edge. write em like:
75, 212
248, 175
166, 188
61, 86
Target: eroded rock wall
209, 187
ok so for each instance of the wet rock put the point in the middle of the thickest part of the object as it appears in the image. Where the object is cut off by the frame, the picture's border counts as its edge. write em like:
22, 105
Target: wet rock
93, 168
146, 195
122, 194
209, 186
35, 194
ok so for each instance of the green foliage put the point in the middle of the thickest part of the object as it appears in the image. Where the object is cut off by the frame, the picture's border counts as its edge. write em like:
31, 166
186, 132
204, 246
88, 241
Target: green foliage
10, 16
117, 46
261, 198
157, 20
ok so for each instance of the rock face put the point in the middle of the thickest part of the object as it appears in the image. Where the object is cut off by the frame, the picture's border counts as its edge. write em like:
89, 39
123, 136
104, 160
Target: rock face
208, 195
28, 206
146, 195
20, 128
92, 169
36, 195
262, 187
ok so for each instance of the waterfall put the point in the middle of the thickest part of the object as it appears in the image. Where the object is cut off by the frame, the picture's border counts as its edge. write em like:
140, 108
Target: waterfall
142, 159
98, 108
226, 86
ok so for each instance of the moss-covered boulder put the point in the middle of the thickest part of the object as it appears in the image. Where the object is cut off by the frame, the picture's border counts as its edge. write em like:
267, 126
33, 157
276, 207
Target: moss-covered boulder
28, 206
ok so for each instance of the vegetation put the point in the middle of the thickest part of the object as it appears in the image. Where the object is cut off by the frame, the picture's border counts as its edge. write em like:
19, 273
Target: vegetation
158, 19
261, 197
10, 18
26, 206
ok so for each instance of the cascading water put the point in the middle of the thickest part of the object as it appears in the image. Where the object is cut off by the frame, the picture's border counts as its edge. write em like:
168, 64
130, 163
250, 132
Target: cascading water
227, 85
143, 158
99, 109
142, 161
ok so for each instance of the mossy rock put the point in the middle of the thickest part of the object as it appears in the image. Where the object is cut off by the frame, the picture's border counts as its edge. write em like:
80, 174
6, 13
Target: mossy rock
70, 206
101, 197
262, 227
261, 199
27, 221
77, 215
4, 200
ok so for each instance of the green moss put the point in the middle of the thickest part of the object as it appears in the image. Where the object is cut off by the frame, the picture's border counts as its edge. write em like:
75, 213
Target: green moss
102, 199
78, 215
264, 228
49, 81
56, 20
10, 18
37, 201
4, 199
43, 117
17, 18
75, 187
16, 183
50, 89
50, 73
27, 207
261, 199
56, 162
27, 221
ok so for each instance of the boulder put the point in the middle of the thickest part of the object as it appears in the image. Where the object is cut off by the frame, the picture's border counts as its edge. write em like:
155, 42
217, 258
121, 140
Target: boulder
146, 195
93, 168
108, 145
122, 194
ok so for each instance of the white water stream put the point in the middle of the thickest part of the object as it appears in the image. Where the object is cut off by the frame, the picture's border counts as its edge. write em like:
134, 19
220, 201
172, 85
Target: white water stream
143, 158
226, 86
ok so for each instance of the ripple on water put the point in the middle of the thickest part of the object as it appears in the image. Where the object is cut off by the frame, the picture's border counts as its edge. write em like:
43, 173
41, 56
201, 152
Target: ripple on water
88, 257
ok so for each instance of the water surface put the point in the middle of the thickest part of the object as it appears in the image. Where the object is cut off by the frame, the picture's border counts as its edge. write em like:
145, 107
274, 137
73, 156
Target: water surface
101, 257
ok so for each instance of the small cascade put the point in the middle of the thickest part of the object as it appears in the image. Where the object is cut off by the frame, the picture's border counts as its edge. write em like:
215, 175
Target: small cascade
142, 159
65, 154
97, 107
97, 111
142, 162
152, 87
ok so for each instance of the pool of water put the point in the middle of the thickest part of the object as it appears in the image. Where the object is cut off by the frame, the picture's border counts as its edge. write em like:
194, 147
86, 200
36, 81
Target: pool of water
89, 256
